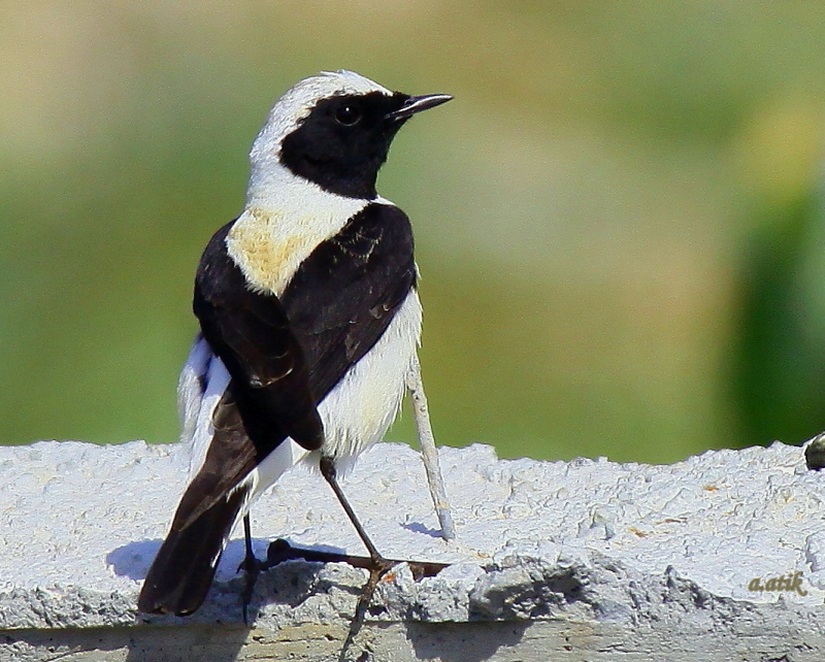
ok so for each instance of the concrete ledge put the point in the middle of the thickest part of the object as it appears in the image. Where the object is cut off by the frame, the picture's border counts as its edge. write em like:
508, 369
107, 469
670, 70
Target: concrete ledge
581, 560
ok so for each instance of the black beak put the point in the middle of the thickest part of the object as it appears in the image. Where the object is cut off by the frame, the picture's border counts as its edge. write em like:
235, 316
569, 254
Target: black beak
415, 105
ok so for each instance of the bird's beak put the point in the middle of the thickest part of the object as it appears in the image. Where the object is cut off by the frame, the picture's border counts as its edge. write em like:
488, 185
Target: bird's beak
415, 105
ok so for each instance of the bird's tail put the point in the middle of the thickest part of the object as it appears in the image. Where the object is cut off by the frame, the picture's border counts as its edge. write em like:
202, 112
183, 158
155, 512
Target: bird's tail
185, 565
214, 501
230, 478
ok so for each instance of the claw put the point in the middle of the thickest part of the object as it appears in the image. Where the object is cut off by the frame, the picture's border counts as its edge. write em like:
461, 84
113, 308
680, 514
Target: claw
251, 568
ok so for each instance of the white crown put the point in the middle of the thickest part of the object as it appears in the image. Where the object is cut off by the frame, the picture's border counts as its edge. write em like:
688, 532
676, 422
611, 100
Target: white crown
299, 100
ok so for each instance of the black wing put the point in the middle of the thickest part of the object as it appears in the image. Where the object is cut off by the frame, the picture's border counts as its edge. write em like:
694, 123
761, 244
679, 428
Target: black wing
251, 334
343, 297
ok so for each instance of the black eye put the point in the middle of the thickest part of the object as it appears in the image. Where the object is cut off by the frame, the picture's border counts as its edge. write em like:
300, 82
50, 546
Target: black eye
348, 114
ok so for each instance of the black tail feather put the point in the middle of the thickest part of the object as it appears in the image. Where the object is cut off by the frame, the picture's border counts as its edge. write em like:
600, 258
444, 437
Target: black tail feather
180, 576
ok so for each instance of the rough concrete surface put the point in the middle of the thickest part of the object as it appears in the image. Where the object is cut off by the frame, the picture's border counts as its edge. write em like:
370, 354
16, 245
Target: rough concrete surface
580, 560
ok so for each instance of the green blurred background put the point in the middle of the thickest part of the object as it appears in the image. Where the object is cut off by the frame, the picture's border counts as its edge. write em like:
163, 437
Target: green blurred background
619, 219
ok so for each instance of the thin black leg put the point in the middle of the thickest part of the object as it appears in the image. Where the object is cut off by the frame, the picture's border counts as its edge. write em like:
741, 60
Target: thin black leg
376, 564
247, 537
329, 473
379, 566
251, 567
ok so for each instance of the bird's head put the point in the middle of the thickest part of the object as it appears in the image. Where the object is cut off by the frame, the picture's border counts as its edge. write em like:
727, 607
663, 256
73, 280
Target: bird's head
335, 130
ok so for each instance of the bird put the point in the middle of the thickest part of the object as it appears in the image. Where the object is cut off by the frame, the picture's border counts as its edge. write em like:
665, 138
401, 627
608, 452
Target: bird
309, 318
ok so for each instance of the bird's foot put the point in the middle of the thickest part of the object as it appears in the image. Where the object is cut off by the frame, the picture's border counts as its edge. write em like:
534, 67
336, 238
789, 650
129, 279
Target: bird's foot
380, 565
251, 568
280, 550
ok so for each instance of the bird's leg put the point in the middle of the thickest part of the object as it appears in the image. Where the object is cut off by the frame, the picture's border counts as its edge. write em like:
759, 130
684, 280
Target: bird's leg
379, 566
330, 475
251, 567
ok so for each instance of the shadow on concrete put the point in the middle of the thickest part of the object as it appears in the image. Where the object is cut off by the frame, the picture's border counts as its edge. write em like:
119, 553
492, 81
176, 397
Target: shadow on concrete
464, 642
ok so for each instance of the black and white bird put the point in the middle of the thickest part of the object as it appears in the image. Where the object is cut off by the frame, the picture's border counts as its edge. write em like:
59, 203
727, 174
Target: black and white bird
309, 316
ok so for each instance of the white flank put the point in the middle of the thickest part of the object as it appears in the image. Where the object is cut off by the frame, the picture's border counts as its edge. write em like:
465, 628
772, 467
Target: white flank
190, 387
360, 408
197, 428
356, 413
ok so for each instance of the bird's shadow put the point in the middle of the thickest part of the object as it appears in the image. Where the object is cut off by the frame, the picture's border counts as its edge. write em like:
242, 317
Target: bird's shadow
133, 559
